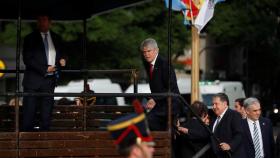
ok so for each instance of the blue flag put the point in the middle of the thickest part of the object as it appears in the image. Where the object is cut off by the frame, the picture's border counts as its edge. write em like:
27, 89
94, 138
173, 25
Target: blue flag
177, 5
218, 1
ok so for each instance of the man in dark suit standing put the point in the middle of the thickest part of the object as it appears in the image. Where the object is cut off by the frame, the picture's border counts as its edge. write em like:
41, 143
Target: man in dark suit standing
157, 70
259, 142
42, 59
227, 129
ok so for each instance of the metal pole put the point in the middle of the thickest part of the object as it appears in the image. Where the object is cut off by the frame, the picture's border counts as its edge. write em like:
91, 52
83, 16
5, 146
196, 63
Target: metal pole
85, 74
17, 74
169, 72
135, 77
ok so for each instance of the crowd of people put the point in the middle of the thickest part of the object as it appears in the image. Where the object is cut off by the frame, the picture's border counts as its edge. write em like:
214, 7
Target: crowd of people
239, 133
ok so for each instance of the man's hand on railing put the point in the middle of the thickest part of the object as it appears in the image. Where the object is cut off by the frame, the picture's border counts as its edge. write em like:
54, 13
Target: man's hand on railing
150, 104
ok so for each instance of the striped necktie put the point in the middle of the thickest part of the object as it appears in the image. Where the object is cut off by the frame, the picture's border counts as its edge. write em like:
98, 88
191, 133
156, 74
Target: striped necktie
256, 142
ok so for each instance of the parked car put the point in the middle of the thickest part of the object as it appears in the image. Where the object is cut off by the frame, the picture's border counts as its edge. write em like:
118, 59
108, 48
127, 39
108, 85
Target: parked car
98, 86
233, 89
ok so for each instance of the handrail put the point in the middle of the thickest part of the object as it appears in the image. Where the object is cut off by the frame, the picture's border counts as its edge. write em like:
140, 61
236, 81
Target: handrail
76, 71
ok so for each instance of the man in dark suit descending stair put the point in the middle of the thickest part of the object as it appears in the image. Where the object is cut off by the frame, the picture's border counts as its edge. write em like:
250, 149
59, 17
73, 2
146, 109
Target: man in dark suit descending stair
157, 69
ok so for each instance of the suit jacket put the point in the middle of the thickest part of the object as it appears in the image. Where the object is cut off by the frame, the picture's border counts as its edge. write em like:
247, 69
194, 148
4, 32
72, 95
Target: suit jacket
267, 137
277, 146
229, 131
197, 138
159, 84
35, 60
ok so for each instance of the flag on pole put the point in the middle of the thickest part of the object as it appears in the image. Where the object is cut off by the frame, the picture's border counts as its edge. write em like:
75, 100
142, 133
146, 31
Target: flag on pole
189, 8
205, 14
218, 1
177, 5
193, 9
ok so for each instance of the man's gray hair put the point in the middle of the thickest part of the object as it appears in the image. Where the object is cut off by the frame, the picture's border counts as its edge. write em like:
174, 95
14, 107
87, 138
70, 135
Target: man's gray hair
149, 42
250, 101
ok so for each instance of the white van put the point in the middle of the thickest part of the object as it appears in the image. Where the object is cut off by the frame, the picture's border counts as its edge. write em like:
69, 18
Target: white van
98, 86
233, 89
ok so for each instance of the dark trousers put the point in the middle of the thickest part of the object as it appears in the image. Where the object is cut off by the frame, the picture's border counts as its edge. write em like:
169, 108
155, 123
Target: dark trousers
32, 104
157, 122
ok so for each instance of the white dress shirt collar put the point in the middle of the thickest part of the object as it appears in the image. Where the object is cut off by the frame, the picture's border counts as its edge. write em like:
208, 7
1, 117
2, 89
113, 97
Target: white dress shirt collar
219, 118
154, 61
223, 113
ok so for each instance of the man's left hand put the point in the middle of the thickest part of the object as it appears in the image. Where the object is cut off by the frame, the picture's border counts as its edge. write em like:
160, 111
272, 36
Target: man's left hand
225, 146
150, 104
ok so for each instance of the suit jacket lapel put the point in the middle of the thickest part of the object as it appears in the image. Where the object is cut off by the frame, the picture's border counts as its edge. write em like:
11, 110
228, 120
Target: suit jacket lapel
221, 121
155, 74
156, 66
247, 131
39, 41
262, 126
54, 40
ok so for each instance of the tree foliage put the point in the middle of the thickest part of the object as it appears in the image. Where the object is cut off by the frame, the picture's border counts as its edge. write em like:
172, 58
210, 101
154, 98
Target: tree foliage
113, 39
254, 26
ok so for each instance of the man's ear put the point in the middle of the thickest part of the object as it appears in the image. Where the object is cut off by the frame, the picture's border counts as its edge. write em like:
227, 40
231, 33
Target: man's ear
246, 111
224, 103
136, 151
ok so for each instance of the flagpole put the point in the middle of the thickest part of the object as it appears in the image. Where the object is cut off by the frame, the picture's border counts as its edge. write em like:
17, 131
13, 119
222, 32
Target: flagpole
195, 65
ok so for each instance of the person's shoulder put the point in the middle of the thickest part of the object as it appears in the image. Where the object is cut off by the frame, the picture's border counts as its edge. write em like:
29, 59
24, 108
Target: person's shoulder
244, 122
54, 34
161, 61
161, 58
233, 113
265, 120
32, 34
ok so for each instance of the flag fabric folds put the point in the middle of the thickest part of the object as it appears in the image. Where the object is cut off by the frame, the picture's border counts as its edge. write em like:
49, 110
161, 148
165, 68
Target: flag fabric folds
177, 5
205, 14
189, 8
193, 9
196, 12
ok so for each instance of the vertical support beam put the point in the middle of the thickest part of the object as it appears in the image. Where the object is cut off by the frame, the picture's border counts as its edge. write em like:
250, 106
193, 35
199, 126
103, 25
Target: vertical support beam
85, 72
169, 32
135, 81
195, 65
17, 74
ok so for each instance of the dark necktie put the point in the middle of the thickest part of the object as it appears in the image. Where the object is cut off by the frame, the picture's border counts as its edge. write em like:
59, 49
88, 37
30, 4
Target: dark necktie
217, 123
46, 44
256, 142
151, 71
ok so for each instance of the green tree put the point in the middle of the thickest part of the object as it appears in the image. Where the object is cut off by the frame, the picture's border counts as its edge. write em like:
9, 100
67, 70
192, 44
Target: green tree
252, 25
113, 39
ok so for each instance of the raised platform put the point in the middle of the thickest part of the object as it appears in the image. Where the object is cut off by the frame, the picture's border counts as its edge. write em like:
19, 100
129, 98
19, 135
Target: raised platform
75, 132
69, 144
